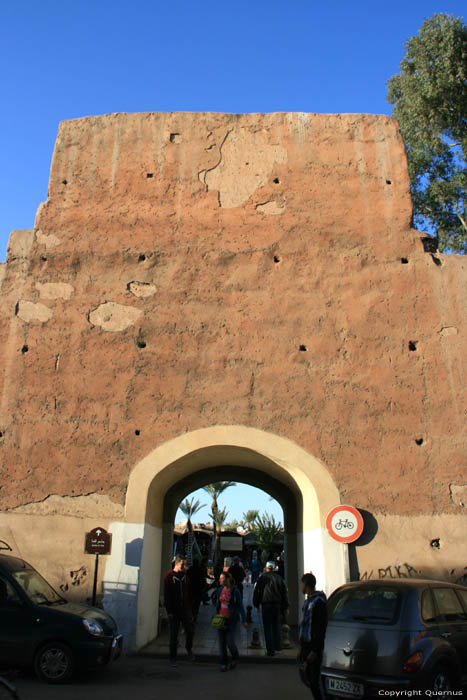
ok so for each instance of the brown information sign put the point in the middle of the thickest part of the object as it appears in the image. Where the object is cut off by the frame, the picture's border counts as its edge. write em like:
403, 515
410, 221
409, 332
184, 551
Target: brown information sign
98, 541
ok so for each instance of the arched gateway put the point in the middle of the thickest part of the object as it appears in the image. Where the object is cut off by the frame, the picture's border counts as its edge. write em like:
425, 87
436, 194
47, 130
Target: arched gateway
141, 544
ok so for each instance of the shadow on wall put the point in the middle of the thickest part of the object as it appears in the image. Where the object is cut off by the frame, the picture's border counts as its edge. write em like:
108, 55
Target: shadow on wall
121, 599
370, 529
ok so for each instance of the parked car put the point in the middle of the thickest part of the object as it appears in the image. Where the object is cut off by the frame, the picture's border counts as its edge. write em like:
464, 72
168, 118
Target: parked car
397, 634
39, 628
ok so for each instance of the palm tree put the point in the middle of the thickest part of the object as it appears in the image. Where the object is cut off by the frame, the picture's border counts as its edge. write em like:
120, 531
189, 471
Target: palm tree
189, 508
249, 518
269, 533
215, 489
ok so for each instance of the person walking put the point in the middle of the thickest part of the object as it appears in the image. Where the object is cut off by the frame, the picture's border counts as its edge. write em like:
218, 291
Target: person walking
256, 568
178, 600
312, 631
238, 573
271, 593
230, 606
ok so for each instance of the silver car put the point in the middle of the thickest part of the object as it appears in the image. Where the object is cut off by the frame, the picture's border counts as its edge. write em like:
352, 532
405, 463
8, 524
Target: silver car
393, 635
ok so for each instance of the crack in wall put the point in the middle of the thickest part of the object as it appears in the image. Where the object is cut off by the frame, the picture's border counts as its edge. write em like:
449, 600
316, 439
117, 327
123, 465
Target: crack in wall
203, 173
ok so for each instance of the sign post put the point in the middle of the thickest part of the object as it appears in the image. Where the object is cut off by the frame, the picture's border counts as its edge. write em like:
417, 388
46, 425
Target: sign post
98, 541
344, 524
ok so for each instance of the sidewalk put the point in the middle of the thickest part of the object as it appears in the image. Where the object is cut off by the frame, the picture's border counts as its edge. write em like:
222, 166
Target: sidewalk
206, 644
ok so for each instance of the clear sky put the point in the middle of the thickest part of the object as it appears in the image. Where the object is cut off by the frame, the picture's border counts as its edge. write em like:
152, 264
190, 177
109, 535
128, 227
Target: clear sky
62, 59
237, 499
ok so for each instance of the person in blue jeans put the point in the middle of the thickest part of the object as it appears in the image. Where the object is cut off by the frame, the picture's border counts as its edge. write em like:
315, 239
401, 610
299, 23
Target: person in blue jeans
230, 606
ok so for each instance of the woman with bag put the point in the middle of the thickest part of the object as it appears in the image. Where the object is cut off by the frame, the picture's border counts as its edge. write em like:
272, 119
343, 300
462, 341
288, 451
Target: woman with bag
229, 610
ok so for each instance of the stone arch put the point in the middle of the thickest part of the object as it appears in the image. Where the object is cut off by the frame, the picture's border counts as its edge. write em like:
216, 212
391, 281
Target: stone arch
280, 466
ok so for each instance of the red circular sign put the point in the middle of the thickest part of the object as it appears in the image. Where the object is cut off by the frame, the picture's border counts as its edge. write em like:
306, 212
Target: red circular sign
344, 524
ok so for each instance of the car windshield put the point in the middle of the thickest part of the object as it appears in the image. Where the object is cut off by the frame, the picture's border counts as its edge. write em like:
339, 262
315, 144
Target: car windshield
378, 605
36, 588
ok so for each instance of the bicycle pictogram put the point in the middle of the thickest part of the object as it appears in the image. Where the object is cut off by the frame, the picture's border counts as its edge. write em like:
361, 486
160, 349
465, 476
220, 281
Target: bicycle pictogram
346, 524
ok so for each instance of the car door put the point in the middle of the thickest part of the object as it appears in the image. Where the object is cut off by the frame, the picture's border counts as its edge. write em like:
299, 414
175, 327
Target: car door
18, 627
452, 623
462, 593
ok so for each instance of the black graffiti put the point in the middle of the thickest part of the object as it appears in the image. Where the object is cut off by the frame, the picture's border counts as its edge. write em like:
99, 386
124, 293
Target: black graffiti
77, 578
392, 571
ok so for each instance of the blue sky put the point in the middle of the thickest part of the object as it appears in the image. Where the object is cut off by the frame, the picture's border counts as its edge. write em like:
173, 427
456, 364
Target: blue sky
237, 499
62, 59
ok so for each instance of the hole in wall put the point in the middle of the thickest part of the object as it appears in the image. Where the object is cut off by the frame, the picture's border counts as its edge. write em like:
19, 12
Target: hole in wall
64, 182
1, 434
277, 259
24, 349
140, 343
141, 257
436, 260
413, 345
404, 261
436, 543
303, 348
43, 258
149, 175
276, 180
175, 137
137, 432
419, 441
388, 182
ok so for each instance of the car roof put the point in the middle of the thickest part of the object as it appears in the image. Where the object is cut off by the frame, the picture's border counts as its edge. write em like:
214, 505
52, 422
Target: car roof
13, 563
400, 583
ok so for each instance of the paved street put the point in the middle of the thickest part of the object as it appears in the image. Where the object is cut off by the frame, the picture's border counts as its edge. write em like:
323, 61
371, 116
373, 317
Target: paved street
152, 679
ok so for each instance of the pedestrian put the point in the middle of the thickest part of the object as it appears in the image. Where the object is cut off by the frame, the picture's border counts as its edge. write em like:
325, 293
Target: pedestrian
271, 593
178, 600
197, 578
230, 606
256, 568
238, 573
312, 631
280, 569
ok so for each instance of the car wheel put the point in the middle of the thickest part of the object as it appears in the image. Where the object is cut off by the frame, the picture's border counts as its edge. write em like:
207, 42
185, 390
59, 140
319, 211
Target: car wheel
442, 678
54, 663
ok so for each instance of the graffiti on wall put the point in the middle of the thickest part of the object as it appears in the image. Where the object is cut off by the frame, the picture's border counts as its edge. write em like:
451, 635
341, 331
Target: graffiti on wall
392, 571
77, 578
407, 571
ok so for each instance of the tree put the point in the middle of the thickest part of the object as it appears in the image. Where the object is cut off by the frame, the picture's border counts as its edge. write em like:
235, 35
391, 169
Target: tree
249, 518
215, 489
430, 102
189, 508
269, 533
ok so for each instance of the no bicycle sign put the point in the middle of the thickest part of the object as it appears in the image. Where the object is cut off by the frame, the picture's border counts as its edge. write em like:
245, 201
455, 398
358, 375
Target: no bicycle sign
344, 524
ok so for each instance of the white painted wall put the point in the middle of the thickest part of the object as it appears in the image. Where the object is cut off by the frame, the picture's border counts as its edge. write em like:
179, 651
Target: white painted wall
326, 558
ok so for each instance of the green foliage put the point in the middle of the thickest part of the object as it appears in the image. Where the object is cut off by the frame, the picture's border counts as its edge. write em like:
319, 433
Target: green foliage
249, 518
430, 102
189, 508
269, 533
221, 517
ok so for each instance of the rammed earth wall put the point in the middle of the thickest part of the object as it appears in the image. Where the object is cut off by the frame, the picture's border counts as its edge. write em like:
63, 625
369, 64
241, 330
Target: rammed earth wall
192, 270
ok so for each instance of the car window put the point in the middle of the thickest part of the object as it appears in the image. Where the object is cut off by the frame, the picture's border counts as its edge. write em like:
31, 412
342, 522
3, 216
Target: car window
449, 604
378, 605
7, 593
427, 607
463, 596
36, 588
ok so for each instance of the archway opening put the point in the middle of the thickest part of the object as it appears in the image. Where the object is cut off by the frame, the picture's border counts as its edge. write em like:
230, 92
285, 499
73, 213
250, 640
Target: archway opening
157, 484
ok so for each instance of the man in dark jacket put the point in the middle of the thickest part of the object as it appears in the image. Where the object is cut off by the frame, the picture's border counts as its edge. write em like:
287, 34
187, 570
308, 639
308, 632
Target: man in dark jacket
312, 631
238, 573
178, 600
271, 593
